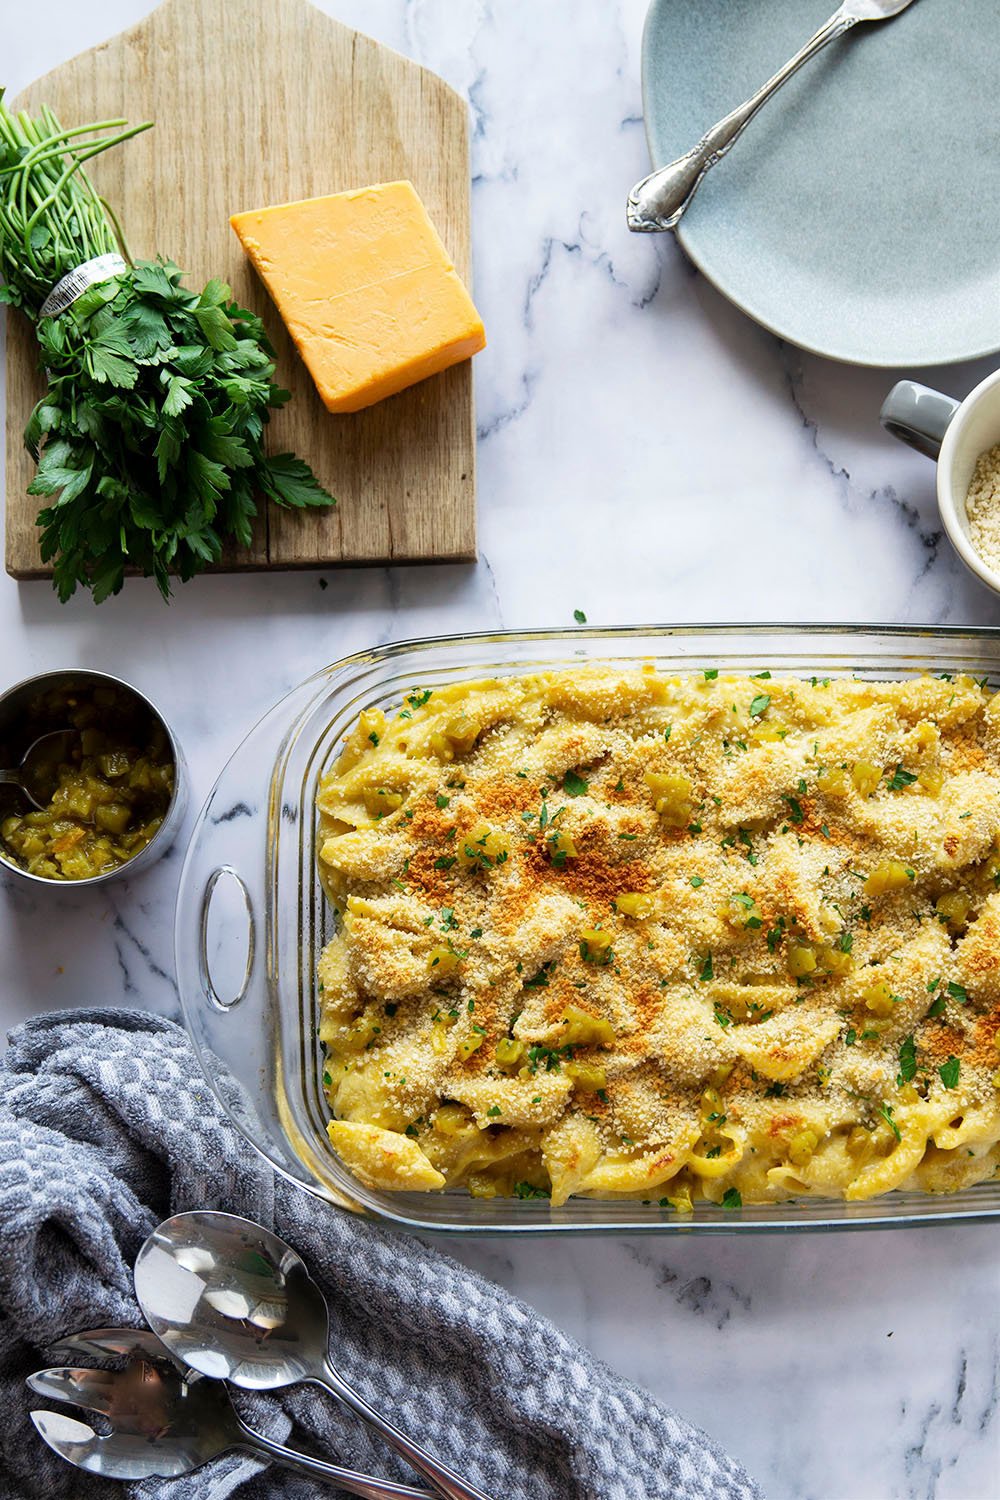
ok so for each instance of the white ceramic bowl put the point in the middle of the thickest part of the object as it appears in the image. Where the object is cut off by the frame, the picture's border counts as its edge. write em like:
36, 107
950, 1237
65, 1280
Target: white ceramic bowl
955, 433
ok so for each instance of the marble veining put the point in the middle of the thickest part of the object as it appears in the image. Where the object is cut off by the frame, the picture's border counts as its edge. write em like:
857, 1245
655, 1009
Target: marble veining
645, 454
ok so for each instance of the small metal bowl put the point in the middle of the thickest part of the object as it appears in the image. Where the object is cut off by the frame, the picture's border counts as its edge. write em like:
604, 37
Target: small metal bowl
16, 704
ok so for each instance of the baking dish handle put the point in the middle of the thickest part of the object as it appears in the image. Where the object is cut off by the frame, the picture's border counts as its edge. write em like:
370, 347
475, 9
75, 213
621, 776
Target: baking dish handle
225, 1000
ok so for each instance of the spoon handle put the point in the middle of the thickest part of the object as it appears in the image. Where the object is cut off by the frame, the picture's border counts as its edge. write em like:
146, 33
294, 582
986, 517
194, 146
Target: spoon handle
344, 1479
445, 1481
660, 200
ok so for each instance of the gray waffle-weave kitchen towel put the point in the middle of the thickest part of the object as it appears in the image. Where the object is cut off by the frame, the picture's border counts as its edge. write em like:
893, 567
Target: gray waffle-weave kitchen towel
107, 1126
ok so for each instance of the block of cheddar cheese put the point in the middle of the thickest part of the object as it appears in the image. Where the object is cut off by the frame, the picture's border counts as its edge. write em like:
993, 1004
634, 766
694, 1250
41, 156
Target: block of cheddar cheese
365, 288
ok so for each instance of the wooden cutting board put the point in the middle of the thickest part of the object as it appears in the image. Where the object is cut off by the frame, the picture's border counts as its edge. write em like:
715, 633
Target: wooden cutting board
259, 102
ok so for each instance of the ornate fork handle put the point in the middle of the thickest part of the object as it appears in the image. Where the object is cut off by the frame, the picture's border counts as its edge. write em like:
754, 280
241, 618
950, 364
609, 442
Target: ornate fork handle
660, 200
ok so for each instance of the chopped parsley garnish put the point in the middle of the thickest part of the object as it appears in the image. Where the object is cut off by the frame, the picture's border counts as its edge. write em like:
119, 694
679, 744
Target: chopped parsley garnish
722, 1017
528, 1190
579, 617
885, 1110
327, 1080
696, 881
845, 942
540, 981
731, 1198
619, 785
574, 785
417, 700
760, 676
705, 972
694, 827
711, 673
760, 705
373, 737
907, 1060
957, 992
442, 801
937, 1008
476, 932
794, 808
448, 918
494, 1110
850, 1037
948, 1072
547, 1057
900, 779
445, 861
747, 843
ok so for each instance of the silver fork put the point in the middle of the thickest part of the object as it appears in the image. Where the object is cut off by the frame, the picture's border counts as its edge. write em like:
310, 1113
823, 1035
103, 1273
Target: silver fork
660, 200
163, 1422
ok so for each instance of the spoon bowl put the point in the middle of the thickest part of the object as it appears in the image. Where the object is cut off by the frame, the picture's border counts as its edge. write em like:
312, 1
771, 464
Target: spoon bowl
38, 774
232, 1300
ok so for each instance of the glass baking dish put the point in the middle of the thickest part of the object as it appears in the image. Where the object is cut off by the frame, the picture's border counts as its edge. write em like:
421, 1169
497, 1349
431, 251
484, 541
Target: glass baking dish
250, 905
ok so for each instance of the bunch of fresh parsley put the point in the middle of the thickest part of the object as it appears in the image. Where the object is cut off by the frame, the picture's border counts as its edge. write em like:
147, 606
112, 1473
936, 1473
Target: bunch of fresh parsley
153, 431
150, 436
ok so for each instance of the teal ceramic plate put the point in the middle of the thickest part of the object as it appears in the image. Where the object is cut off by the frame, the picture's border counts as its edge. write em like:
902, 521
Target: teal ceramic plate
859, 215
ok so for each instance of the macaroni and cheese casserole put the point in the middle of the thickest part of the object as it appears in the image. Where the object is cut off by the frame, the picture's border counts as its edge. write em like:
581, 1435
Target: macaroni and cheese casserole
618, 934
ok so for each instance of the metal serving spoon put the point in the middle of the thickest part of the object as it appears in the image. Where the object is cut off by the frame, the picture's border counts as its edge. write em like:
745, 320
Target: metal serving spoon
231, 1299
660, 200
163, 1423
38, 774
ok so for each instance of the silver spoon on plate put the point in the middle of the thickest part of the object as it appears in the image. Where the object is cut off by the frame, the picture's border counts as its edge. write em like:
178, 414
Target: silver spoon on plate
232, 1300
660, 200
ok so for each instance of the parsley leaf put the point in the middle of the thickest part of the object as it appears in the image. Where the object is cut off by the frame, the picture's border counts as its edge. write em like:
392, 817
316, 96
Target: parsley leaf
907, 1060
528, 1190
731, 1198
885, 1110
760, 705
957, 992
574, 785
794, 809
900, 779
579, 617
948, 1072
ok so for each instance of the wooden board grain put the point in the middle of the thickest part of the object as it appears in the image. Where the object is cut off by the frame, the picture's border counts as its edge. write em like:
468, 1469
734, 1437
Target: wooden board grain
259, 102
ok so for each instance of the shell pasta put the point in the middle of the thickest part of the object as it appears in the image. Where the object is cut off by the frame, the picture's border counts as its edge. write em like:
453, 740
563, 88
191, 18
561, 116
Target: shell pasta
704, 937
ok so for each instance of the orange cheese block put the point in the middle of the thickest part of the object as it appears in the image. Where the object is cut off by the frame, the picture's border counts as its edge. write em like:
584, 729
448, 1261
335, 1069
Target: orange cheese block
365, 288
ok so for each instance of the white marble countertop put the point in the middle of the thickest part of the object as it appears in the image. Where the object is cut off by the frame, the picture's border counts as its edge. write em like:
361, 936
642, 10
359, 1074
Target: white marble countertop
645, 454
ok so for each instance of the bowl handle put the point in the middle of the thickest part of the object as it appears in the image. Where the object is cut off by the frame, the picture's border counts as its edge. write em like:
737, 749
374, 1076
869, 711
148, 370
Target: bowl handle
211, 993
